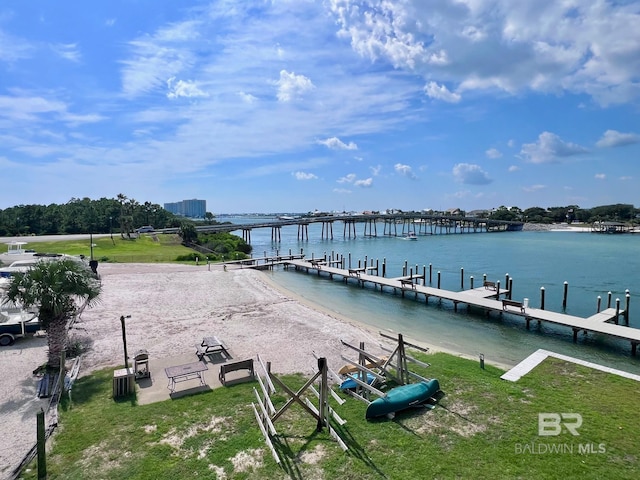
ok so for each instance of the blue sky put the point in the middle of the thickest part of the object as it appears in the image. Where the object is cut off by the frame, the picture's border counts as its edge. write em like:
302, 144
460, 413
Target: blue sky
292, 106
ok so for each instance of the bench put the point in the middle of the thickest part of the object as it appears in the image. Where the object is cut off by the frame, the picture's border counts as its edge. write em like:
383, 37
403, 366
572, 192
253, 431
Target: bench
356, 271
200, 352
512, 303
227, 368
318, 262
46, 385
407, 282
490, 285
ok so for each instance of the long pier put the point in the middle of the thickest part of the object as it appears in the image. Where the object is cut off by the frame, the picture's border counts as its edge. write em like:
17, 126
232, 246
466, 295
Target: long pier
396, 224
490, 298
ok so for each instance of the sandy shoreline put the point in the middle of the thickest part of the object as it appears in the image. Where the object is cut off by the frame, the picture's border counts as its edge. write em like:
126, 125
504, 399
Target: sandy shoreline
172, 307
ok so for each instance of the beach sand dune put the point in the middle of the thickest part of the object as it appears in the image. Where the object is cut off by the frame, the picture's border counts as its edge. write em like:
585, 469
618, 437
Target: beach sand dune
171, 308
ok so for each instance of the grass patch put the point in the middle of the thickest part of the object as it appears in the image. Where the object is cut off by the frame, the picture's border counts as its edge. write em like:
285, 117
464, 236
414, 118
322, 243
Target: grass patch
474, 432
160, 248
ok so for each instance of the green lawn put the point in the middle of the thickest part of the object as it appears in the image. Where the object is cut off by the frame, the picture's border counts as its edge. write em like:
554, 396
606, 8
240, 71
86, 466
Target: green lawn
483, 427
160, 248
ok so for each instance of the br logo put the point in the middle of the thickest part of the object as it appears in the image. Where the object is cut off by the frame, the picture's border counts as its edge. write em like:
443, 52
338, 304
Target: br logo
550, 424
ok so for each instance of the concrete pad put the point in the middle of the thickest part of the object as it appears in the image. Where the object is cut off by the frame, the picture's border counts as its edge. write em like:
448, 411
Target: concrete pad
155, 388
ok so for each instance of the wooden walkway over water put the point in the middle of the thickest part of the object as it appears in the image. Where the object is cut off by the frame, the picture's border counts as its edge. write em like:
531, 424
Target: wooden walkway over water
484, 298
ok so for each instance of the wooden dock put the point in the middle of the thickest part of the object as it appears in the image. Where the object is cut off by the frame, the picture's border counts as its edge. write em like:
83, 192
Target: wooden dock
484, 298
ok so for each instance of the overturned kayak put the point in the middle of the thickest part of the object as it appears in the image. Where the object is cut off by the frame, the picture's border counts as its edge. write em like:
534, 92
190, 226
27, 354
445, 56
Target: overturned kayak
402, 397
350, 383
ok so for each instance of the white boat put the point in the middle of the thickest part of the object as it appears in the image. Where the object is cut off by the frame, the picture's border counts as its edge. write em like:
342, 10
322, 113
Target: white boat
16, 323
410, 236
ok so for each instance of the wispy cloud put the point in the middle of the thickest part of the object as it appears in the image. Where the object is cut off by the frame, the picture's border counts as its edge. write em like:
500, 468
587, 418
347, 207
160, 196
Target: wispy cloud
534, 188
365, 183
613, 138
335, 143
600, 176
68, 51
304, 176
182, 88
349, 178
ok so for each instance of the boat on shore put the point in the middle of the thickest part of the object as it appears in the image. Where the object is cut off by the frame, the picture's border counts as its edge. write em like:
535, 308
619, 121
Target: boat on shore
17, 323
403, 397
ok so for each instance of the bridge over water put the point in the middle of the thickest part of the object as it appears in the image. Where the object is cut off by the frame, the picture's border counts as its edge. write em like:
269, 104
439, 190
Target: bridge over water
371, 224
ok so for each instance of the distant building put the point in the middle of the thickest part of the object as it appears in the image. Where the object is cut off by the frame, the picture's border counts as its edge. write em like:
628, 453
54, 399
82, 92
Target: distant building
188, 208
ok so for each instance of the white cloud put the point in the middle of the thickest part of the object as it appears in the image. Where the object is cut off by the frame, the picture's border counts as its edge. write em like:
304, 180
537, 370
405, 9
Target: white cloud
349, 178
549, 148
626, 178
247, 97
292, 86
68, 51
511, 143
183, 88
304, 176
154, 58
335, 143
441, 92
470, 174
379, 30
613, 138
493, 153
580, 47
366, 183
341, 190
375, 170
13, 48
513, 168
405, 170
600, 176
534, 188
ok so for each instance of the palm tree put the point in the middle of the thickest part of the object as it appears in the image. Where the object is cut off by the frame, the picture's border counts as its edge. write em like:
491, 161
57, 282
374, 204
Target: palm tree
58, 288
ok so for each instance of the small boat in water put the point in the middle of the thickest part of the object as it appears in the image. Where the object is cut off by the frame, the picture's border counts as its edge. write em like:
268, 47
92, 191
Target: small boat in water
410, 236
403, 397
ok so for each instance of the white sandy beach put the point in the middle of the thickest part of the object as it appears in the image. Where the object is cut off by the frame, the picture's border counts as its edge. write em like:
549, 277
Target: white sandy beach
172, 307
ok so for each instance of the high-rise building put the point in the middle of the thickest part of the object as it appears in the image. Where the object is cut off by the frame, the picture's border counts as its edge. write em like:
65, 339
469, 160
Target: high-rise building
188, 208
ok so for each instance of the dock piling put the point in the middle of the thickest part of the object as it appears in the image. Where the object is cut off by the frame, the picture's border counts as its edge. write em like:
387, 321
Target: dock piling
617, 310
541, 298
564, 295
626, 308
461, 278
599, 302
471, 281
608, 299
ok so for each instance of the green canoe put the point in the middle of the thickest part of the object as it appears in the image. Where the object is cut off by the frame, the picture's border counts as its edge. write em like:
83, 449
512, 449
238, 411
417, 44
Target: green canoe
402, 397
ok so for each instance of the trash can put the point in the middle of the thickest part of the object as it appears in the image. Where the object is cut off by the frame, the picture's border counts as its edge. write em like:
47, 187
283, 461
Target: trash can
141, 364
525, 303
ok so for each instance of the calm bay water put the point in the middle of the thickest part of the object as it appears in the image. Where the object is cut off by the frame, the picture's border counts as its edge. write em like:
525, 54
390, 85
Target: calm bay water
591, 264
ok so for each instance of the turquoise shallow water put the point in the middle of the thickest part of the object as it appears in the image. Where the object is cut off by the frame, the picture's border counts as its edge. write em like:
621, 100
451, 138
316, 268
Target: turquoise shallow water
591, 264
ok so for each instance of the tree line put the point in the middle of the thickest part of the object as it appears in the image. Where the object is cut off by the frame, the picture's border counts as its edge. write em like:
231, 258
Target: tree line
106, 215
618, 212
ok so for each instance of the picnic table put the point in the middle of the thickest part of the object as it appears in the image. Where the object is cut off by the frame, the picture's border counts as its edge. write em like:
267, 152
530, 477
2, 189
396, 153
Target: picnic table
183, 373
212, 344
